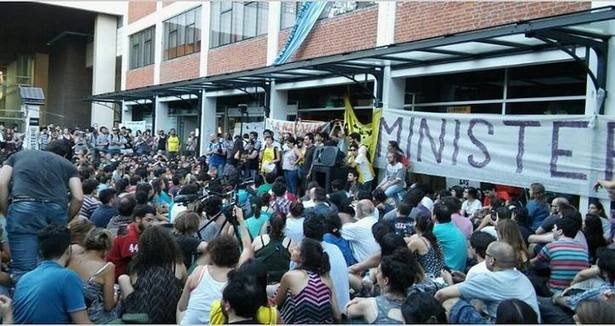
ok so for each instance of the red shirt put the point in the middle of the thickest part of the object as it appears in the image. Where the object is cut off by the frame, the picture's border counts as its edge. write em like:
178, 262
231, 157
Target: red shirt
123, 248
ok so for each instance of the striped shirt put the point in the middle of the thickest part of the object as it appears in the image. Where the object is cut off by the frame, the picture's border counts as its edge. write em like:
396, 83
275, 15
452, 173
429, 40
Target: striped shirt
89, 205
566, 258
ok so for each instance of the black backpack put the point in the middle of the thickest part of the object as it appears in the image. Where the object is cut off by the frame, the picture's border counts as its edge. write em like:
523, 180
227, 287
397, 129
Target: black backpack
276, 257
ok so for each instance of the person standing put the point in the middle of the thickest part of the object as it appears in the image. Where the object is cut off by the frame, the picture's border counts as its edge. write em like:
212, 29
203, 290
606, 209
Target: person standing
191, 144
40, 181
173, 144
290, 156
102, 140
161, 141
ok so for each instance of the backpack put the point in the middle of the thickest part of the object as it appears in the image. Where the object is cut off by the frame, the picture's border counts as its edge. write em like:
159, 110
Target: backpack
276, 257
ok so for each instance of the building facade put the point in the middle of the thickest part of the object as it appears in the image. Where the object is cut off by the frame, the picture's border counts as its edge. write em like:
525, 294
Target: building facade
168, 42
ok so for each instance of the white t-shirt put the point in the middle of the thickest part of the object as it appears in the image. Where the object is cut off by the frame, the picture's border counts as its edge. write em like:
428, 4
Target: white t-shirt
360, 236
294, 229
471, 208
477, 269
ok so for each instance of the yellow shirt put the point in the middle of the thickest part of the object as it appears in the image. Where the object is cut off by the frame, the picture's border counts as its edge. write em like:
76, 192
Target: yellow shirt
268, 157
264, 315
173, 144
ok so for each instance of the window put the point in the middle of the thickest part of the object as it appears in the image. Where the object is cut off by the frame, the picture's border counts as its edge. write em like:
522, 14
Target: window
557, 88
182, 34
290, 10
236, 21
142, 48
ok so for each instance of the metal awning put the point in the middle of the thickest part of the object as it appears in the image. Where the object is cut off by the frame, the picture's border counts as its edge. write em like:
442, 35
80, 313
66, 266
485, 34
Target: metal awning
585, 29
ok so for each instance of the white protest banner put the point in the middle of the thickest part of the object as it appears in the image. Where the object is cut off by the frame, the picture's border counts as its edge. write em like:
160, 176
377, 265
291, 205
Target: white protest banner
293, 127
248, 128
134, 125
566, 153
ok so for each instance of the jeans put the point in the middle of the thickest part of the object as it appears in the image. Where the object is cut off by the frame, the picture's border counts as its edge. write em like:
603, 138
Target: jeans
392, 191
24, 220
291, 177
552, 313
463, 312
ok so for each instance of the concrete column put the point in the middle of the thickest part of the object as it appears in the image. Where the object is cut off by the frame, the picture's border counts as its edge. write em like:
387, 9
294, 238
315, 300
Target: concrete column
205, 33
208, 120
385, 33
273, 30
126, 112
162, 119
278, 103
103, 70
393, 92
158, 51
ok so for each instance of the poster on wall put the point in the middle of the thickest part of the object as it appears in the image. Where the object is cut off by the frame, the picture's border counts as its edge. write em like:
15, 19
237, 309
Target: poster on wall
248, 128
566, 153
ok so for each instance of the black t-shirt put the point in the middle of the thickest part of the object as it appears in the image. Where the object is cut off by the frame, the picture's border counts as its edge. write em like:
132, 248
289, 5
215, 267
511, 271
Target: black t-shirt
549, 222
41, 175
188, 245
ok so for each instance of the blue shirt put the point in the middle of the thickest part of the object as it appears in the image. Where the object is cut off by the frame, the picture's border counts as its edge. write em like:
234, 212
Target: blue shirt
538, 212
102, 215
48, 295
453, 244
343, 245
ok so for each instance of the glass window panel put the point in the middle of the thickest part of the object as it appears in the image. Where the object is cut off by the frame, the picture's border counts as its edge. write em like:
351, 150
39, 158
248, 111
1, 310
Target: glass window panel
262, 18
289, 13
546, 107
189, 47
225, 28
492, 108
467, 86
215, 24
557, 79
181, 25
249, 19
236, 22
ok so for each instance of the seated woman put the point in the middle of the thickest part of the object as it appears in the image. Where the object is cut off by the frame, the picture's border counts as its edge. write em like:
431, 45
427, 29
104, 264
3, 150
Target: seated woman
260, 215
186, 226
425, 247
98, 276
394, 277
272, 249
306, 294
155, 281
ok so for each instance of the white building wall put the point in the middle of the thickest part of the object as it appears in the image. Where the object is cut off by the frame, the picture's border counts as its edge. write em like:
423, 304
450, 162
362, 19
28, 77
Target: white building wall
103, 71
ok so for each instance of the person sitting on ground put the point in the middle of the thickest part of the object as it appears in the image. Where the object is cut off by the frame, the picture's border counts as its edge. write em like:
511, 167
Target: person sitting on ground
359, 233
265, 314
557, 204
463, 223
90, 202
272, 249
186, 226
294, 222
508, 231
279, 203
565, 256
471, 206
595, 312
314, 228
338, 194
452, 241
394, 277
126, 246
379, 198
241, 299
403, 224
596, 208
515, 311
425, 247
306, 294
98, 276
479, 242
592, 229
261, 214
154, 284
206, 282
504, 282
333, 236
50, 293
103, 214
422, 308
266, 186
118, 225
537, 207
321, 206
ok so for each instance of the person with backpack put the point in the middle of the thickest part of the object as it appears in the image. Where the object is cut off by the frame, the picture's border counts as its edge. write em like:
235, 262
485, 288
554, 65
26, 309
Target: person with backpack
272, 249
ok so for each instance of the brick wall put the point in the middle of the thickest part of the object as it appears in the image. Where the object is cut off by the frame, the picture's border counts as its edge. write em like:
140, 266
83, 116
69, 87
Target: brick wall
238, 56
181, 68
346, 33
140, 77
417, 20
140, 9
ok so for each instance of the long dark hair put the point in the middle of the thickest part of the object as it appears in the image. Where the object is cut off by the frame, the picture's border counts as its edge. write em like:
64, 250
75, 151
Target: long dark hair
424, 224
594, 234
314, 258
157, 248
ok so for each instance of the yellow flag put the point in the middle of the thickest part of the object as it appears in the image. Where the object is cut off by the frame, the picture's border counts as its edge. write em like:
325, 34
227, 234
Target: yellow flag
368, 132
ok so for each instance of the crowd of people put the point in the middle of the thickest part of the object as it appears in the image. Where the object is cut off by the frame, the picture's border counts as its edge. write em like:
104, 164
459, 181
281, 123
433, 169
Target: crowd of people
102, 227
